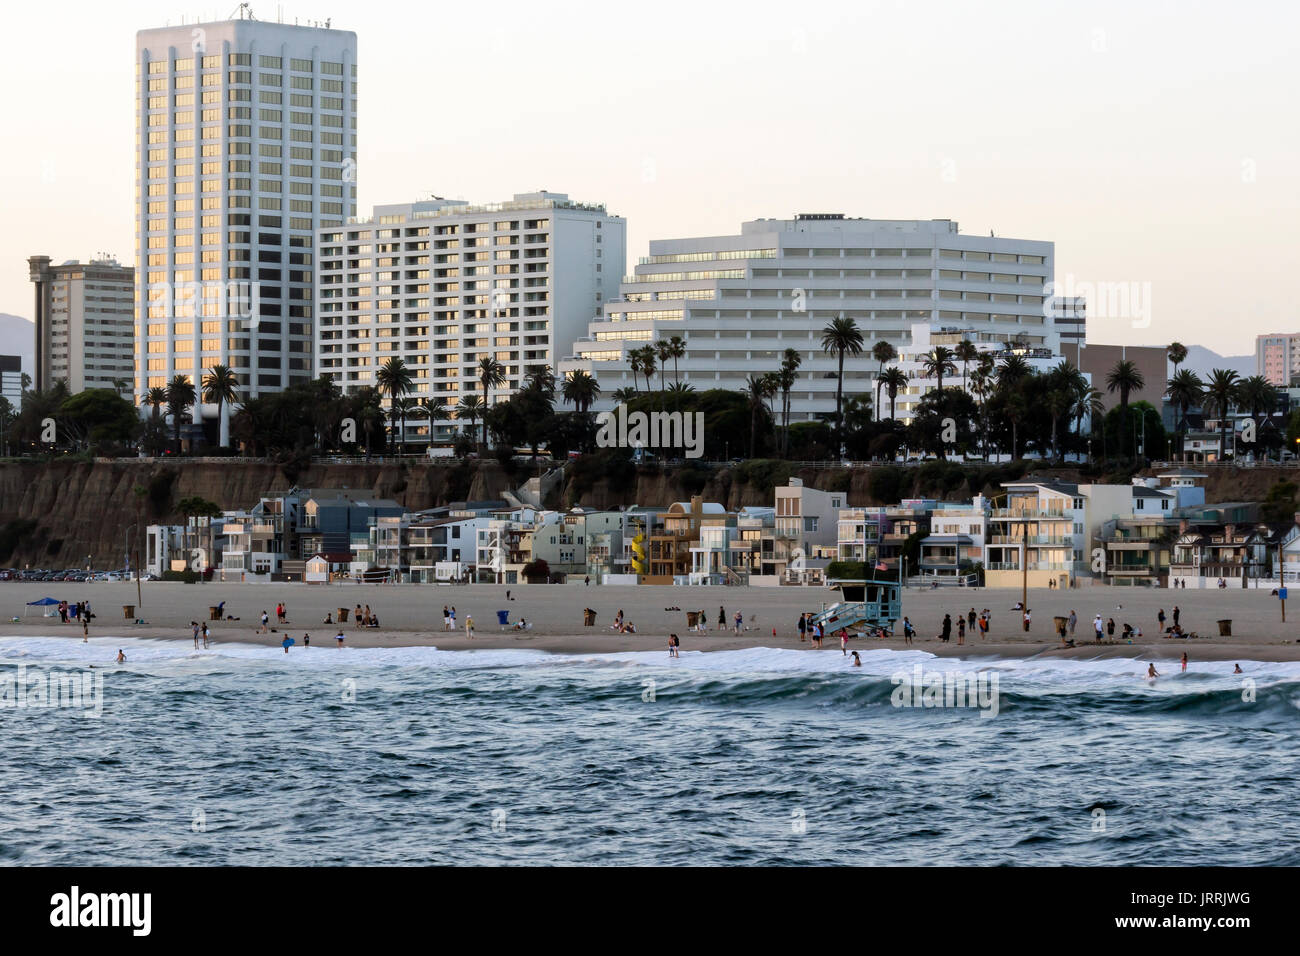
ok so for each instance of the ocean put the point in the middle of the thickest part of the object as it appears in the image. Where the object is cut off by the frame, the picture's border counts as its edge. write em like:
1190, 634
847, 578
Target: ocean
242, 754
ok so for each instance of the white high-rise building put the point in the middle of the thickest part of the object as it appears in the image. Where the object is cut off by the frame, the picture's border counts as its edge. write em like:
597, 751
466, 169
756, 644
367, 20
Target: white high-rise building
245, 146
84, 328
740, 301
442, 284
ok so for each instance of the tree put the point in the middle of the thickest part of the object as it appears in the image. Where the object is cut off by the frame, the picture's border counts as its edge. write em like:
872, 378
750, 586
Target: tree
842, 337
758, 388
676, 350
1220, 395
644, 359
219, 388
180, 396
785, 380
98, 415
894, 379
663, 352
471, 407
882, 352
491, 374
581, 391
397, 380
966, 352
1124, 378
1185, 389
1177, 353
937, 363
624, 395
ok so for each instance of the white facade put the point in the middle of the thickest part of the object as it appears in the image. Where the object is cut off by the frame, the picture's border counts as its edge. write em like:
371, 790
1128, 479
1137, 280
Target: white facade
246, 145
740, 301
85, 335
442, 284
1041, 358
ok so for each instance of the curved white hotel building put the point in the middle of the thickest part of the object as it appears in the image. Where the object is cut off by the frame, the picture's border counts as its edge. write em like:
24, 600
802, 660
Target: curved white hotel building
740, 301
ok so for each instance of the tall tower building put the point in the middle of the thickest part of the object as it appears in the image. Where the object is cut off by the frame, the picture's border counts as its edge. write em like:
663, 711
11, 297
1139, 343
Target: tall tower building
84, 329
246, 136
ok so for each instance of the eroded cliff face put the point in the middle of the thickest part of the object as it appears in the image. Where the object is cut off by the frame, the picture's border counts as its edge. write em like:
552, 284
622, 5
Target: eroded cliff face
83, 508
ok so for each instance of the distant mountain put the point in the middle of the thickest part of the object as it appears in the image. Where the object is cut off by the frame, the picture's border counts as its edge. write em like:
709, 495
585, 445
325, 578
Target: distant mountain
18, 337
1201, 360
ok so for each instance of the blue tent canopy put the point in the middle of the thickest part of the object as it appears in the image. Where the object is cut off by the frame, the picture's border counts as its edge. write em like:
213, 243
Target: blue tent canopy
43, 602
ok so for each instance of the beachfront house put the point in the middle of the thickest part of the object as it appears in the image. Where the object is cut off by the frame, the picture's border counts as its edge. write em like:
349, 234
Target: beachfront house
1235, 554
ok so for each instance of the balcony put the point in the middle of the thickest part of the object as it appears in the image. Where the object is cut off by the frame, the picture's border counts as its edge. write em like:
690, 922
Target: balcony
1023, 513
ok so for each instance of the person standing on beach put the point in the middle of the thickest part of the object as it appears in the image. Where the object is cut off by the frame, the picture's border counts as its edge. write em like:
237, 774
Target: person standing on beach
195, 625
803, 627
1160, 618
945, 634
1110, 629
469, 626
306, 640
970, 620
739, 621
265, 618
1027, 620
844, 642
672, 645
1074, 619
1098, 628
961, 630
205, 634
446, 621
356, 616
722, 617
286, 643
85, 629
453, 617
587, 581
1177, 615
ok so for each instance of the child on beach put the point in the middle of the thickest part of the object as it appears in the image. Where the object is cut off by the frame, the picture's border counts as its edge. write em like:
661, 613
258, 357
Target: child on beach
672, 645
844, 642
469, 626
857, 661
205, 634
265, 619
339, 637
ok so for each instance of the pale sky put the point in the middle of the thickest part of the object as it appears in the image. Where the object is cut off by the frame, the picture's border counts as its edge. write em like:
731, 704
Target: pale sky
1156, 143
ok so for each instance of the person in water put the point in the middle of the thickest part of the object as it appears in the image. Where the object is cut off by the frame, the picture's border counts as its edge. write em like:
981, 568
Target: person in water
857, 661
121, 658
1184, 662
1152, 673
1236, 669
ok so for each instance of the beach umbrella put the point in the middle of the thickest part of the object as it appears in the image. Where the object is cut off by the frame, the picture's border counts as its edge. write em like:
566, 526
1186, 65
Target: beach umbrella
43, 602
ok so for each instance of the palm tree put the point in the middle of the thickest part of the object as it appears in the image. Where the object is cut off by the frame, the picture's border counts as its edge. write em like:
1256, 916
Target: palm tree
676, 350
645, 362
893, 380
471, 407
157, 397
1177, 353
966, 352
663, 352
1124, 378
634, 366
581, 390
758, 388
180, 396
1221, 392
937, 363
1060, 401
540, 379
624, 395
1013, 370
1185, 390
219, 388
435, 411
1088, 403
403, 406
491, 374
1259, 395
786, 378
843, 337
395, 378
882, 352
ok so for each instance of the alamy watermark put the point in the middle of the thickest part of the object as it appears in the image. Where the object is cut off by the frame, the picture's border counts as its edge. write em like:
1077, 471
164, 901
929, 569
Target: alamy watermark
922, 688
33, 688
236, 299
1128, 300
623, 429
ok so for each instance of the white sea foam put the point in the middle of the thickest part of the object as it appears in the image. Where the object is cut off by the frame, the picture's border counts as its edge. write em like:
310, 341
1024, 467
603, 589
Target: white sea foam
1034, 674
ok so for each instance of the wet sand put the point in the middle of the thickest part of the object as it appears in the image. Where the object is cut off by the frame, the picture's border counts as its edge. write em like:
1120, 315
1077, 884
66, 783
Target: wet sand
412, 615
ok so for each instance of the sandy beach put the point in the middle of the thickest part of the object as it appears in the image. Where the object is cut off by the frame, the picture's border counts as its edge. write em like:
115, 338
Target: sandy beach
412, 615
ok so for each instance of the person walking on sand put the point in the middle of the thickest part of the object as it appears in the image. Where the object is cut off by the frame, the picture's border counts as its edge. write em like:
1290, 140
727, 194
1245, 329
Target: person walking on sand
1160, 619
469, 626
1074, 619
1098, 628
739, 620
722, 617
265, 619
961, 630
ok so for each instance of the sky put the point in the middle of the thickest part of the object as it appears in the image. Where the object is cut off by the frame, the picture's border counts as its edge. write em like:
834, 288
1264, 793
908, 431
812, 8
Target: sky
1156, 143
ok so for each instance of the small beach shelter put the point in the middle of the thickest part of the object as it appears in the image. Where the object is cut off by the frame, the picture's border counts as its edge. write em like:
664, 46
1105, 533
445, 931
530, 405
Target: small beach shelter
47, 603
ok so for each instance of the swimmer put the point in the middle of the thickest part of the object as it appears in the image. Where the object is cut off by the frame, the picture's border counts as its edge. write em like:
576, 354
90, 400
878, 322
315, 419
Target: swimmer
121, 658
1152, 673
857, 661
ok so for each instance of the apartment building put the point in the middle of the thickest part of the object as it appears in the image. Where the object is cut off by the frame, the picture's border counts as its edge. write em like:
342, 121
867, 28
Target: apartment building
1277, 358
442, 284
11, 379
85, 335
738, 302
246, 135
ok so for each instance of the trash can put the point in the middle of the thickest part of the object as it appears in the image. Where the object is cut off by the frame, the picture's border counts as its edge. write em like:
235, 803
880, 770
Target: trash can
342, 615
503, 618
588, 617
214, 613
128, 612
692, 618
1225, 628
